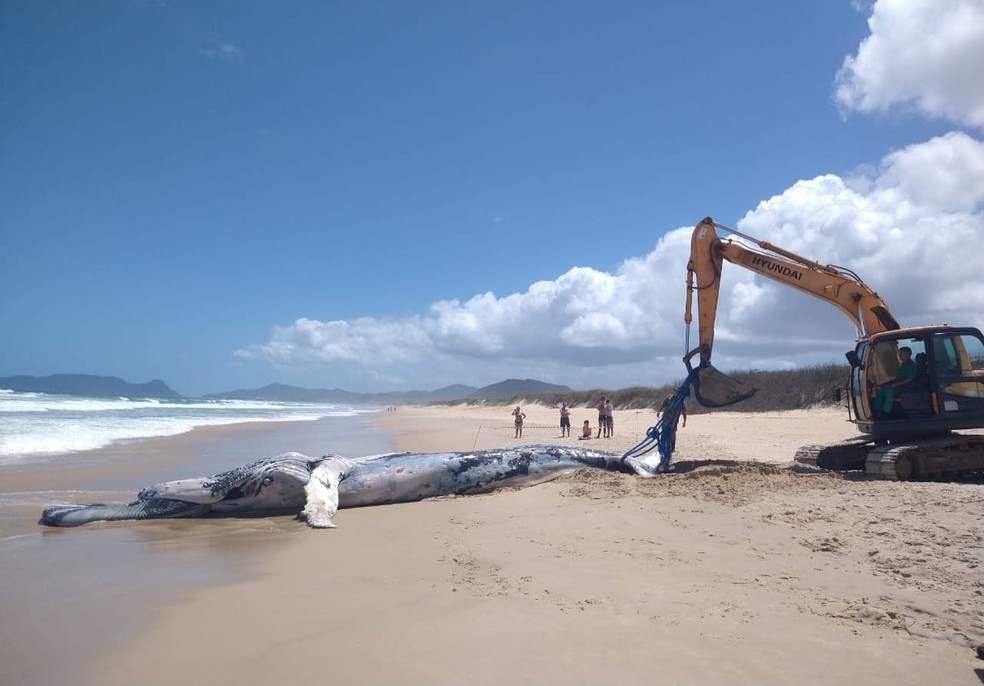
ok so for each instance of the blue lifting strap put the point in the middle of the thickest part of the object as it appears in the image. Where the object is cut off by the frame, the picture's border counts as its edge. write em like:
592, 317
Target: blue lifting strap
663, 434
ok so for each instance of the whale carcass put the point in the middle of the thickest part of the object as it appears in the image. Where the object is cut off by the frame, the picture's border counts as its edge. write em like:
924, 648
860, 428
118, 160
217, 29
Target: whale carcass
314, 488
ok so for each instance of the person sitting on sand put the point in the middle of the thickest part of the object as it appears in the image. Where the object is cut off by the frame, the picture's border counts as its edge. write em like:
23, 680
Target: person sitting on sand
586, 432
520, 416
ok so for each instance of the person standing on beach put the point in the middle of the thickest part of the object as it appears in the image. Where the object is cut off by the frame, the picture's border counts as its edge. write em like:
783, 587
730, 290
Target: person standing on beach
666, 403
609, 420
520, 416
602, 417
565, 420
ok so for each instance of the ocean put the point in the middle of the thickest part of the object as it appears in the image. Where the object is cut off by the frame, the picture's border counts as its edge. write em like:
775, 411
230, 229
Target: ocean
61, 588
33, 425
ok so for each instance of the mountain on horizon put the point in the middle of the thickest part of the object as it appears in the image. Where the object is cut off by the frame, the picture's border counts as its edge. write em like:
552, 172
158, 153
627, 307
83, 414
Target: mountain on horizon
503, 390
89, 385
511, 388
284, 393
114, 387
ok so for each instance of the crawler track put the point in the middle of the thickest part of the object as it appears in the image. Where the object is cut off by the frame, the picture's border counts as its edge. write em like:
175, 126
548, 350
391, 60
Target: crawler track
947, 457
953, 456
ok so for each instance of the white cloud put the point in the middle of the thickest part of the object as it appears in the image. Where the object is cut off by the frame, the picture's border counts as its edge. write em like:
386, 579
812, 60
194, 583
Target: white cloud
946, 173
927, 54
226, 51
911, 231
912, 227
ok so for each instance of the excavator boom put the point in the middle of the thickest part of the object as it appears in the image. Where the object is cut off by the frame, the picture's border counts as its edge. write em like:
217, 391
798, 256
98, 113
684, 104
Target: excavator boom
838, 286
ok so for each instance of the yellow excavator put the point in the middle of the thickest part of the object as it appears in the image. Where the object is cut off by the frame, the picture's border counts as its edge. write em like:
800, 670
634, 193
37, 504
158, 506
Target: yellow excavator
909, 389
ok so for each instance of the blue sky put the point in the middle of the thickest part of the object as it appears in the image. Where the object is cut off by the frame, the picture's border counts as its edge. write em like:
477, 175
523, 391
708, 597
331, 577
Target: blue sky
397, 195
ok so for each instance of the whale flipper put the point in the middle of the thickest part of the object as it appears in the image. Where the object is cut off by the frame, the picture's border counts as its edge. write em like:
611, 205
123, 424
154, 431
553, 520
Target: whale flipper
322, 494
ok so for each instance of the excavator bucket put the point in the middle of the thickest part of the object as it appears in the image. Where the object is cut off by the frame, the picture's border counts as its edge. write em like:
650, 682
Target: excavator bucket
716, 389
711, 388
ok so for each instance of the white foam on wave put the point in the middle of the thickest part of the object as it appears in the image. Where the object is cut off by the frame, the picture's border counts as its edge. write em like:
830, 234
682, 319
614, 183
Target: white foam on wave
37, 424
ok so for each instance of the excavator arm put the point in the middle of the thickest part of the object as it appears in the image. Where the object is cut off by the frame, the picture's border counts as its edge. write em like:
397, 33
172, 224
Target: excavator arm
836, 285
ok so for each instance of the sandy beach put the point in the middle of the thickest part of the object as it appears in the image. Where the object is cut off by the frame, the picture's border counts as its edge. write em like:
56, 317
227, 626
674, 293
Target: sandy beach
735, 569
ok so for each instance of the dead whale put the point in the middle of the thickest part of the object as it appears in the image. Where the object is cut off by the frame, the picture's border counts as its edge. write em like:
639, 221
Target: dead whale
314, 488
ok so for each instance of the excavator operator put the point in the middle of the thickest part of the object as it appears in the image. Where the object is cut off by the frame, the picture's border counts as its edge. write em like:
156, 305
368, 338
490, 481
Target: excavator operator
908, 370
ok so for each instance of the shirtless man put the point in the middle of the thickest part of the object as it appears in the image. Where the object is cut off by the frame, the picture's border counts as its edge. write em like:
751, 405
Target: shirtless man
603, 417
565, 420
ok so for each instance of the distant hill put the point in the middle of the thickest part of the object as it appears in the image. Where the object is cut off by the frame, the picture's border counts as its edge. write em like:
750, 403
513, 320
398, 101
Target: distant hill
499, 391
279, 392
112, 387
89, 386
446, 394
511, 388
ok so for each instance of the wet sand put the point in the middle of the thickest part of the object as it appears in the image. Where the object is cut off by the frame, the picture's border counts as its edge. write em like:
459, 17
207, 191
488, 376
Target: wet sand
69, 595
736, 569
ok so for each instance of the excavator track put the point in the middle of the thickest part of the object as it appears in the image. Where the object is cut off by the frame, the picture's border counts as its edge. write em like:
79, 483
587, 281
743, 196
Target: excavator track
837, 457
945, 457
953, 456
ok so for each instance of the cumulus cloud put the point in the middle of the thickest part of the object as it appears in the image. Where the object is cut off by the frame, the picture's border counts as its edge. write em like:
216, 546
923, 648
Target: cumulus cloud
910, 226
926, 54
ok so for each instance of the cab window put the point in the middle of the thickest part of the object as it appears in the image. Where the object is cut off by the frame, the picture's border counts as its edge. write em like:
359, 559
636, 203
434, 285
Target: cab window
958, 362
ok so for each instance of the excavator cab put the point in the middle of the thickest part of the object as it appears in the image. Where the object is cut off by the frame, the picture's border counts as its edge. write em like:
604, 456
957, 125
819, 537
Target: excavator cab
940, 388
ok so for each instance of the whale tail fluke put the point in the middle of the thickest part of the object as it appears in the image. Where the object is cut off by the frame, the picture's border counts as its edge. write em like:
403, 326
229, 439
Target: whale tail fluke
76, 515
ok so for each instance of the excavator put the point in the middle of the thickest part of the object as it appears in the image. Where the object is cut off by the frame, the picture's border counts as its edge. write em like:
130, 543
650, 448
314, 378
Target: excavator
909, 390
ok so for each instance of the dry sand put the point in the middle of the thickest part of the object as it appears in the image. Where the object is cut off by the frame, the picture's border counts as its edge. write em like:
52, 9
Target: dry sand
735, 570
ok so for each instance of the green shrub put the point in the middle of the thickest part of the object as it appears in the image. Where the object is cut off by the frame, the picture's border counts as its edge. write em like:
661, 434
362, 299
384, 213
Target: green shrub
794, 389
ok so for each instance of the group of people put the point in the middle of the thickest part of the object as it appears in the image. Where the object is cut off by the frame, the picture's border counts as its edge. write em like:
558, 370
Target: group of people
565, 424
606, 419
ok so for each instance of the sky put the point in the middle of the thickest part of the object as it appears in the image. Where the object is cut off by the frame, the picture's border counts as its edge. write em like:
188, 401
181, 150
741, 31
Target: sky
385, 195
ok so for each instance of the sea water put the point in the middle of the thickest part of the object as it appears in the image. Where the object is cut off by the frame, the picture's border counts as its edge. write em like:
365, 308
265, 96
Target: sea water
36, 424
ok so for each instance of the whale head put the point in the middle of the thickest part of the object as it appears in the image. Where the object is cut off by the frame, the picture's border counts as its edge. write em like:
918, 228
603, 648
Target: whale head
271, 485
